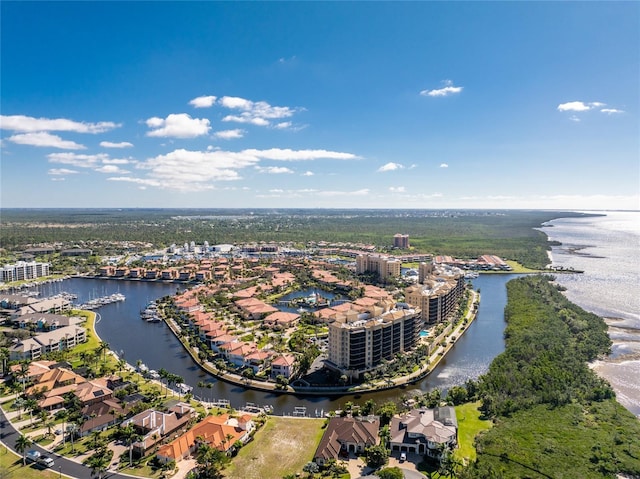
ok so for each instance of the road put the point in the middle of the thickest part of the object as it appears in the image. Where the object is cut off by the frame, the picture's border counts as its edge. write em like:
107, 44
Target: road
66, 467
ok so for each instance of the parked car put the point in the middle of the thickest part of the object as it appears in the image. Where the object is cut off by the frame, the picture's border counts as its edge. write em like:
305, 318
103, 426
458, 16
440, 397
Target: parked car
403, 456
33, 455
46, 461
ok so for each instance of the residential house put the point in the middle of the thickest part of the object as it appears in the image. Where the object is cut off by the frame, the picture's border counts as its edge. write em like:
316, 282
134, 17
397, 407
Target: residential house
283, 365
344, 435
154, 426
220, 432
425, 431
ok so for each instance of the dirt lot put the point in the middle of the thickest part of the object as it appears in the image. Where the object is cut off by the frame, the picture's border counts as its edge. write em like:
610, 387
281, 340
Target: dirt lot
283, 446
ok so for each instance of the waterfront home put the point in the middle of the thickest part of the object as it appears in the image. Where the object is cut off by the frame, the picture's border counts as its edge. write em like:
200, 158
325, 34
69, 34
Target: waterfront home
283, 365
55, 304
256, 360
188, 305
153, 426
46, 321
57, 340
424, 431
222, 339
108, 270
220, 432
236, 352
344, 435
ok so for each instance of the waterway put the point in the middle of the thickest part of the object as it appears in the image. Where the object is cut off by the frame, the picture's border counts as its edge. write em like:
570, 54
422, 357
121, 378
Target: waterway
154, 344
607, 249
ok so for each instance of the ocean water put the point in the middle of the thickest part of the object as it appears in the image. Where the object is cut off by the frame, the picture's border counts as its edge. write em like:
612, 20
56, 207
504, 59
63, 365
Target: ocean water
607, 249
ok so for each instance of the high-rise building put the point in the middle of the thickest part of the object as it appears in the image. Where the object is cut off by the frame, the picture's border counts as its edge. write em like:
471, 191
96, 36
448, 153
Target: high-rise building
385, 266
23, 270
438, 293
401, 241
360, 344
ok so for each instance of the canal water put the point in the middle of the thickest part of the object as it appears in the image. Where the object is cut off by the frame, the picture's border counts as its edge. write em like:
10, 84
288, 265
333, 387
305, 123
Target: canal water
128, 335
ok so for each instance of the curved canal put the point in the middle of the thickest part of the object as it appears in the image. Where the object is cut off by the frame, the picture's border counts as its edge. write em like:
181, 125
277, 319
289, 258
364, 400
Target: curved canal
156, 346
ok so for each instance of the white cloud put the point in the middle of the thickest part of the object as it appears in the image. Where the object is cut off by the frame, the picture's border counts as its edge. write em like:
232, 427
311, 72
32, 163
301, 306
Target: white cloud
61, 171
111, 169
258, 113
391, 166
117, 161
178, 125
57, 178
611, 111
308, 173
283, 125
574, 118
444, 165
397, 189
247, 119
229, 134
579, 106
448, 89
184, 170
140, 181
44, 139
203, 101
31, 124
274, 170
110, 144
286, 154
78, 160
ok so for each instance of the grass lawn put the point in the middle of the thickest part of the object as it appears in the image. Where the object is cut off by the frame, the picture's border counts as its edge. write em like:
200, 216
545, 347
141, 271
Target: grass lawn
11, 467
282, 446
469, 426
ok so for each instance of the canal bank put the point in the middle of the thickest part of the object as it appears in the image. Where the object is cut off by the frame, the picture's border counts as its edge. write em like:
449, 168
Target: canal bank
444, 343
156, 346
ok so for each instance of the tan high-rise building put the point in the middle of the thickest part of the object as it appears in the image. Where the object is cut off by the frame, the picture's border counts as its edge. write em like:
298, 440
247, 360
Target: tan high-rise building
437, 295
385, 266
360, 343
401, 241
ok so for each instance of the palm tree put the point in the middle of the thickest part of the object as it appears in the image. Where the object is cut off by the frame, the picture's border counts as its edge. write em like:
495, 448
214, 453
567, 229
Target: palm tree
103, 348
72, 428
23, 373
63, 414
31, 405
98, 464
4, 355
22, 444
130, 435
164, 375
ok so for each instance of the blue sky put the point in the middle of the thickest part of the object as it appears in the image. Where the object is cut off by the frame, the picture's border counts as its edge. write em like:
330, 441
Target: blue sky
328, 104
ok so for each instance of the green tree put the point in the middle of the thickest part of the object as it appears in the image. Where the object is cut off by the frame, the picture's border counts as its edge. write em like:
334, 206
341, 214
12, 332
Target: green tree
390, 473
98, 464
376, 456
22, 444
210, 461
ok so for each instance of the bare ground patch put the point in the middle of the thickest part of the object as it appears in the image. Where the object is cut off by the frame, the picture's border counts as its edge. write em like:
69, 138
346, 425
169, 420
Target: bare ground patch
283, 446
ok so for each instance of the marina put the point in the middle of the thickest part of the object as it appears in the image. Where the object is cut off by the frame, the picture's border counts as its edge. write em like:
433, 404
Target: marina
98, 302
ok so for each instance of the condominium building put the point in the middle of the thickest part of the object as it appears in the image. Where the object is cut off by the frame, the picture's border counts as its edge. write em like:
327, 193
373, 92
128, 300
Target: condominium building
438, 293
385, 266
401, 241
23, 270
360, 342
